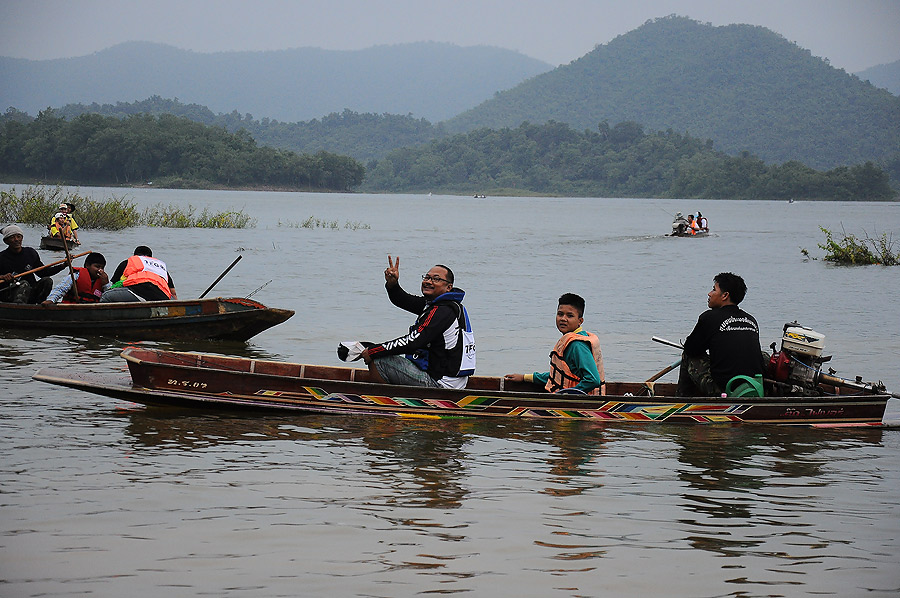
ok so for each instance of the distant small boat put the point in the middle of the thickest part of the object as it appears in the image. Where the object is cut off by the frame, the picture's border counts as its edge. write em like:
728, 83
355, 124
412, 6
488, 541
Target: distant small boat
681, 228
57, 244
478, 196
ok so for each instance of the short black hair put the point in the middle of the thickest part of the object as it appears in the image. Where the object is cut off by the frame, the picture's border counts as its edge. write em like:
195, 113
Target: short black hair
733, 284
575, 301
94, 258
143, 250
449, 272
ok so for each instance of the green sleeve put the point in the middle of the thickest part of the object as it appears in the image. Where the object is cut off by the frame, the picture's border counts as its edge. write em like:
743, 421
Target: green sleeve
580, 359
540, 378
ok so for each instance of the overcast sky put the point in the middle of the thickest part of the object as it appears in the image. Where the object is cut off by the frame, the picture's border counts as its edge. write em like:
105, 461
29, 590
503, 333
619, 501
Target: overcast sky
852, 34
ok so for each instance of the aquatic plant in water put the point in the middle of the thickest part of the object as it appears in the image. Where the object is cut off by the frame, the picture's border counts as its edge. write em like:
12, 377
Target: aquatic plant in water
169, 216
37, 204
850, 250
313, 222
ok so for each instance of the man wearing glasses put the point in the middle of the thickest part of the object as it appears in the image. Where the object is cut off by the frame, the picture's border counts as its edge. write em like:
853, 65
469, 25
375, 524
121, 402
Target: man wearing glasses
439, 349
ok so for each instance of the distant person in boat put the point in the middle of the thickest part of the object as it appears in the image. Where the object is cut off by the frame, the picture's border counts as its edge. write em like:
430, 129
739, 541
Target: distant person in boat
693, 227
679, 225
66, 209
140, 278
702, 224
62, 228
16, 259
576, 361
439, 349
723, 344
90, 282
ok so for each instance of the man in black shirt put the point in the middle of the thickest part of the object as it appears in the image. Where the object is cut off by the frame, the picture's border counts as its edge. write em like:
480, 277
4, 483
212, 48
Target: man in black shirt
16, 259
723, 344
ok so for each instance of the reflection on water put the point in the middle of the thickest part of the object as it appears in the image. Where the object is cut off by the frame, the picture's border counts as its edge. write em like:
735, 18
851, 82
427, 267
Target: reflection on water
433, 454
756, 477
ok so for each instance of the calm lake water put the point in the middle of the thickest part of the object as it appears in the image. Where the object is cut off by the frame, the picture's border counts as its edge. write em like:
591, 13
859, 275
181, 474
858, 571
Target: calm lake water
105, 498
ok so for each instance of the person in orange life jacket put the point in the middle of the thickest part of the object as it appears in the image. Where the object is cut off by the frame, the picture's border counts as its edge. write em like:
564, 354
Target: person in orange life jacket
576, 361
439, 349
16, 259
90, 282
693, 226
723, 344
140, 278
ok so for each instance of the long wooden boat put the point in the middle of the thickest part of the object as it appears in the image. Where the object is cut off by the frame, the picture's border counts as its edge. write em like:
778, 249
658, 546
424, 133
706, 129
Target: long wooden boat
208, 381
57, 244
233, 318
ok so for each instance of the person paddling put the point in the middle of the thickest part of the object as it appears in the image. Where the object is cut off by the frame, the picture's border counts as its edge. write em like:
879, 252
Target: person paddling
16, 259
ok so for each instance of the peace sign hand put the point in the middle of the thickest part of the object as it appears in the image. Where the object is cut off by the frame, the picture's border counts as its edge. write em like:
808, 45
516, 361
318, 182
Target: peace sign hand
392, 272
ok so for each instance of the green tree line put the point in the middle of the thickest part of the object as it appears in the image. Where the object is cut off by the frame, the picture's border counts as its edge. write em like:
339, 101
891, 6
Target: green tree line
91, 148
617, 161
364, 136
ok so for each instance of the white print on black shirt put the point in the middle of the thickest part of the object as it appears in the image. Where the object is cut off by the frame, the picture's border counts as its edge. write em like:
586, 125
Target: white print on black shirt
733, 324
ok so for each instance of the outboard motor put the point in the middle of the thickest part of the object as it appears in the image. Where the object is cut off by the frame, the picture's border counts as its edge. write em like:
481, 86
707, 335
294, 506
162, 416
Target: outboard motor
797, 368
679, 225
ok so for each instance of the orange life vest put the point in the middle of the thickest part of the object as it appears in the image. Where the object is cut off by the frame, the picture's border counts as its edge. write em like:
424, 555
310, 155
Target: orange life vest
88, 290
141, 268
560, 374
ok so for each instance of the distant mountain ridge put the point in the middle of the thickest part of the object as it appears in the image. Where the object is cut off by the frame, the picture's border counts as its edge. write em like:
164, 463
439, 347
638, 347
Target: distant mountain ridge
427, 79
745, 87
886, 76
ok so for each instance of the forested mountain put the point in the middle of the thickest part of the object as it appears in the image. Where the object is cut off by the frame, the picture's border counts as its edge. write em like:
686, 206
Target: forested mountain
362, 136
429, 80
742, 86
886, 76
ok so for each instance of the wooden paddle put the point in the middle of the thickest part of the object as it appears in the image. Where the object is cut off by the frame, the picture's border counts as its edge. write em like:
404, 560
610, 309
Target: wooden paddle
71, 271
649, 383
221, 276
56, 263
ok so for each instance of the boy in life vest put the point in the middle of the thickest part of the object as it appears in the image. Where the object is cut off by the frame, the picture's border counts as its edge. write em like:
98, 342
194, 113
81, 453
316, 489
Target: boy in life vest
90, 282
576, 362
